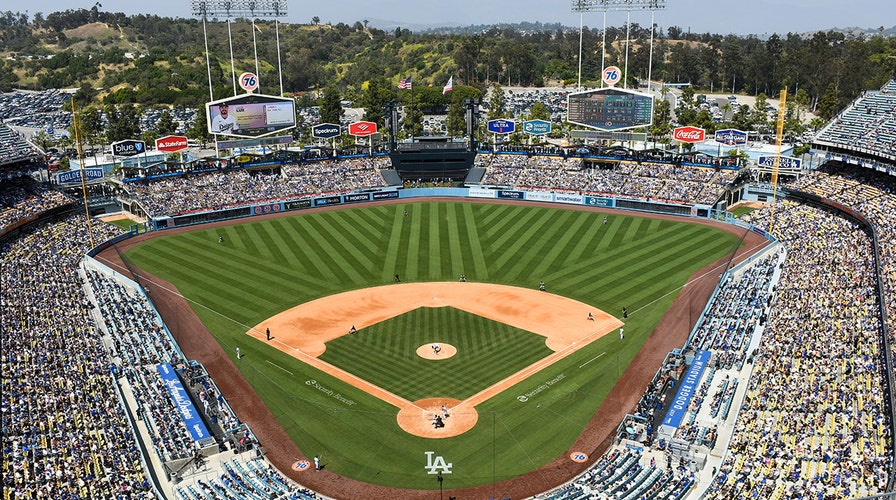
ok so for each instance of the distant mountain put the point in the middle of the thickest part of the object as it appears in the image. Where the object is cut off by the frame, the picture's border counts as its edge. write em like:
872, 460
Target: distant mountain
462, 29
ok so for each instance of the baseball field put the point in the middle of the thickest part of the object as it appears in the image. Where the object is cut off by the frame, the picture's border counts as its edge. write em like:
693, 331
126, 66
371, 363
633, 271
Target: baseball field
525, 393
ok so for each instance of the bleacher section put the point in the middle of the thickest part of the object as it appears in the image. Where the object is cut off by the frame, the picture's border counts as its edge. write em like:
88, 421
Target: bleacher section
868, 124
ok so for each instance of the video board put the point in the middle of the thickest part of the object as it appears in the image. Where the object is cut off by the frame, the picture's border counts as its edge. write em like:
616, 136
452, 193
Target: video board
251, 115
610, 109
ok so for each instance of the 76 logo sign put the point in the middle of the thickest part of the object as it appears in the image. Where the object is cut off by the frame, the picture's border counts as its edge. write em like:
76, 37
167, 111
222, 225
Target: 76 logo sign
612, 75
249, 81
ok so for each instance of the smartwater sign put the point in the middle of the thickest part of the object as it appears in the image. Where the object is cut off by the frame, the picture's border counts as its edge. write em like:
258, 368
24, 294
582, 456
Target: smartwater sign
129, 147
501, 126
74, 176
188, 412
537, 127
686, 390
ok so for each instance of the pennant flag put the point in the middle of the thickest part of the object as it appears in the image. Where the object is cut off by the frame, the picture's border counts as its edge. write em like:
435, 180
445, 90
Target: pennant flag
448, 86
405, 84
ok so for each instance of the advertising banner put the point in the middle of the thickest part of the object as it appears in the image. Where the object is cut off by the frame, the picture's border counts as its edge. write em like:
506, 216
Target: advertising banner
568, 198
188, 412
385, 195
595, 201
354, 198
297, 205
74, 176
539, 196
513, 195
686, 390
327, 200
478, 192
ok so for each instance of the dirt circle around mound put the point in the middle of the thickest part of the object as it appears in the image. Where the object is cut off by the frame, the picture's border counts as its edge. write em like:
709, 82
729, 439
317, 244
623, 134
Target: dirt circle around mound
445, 351
418, 419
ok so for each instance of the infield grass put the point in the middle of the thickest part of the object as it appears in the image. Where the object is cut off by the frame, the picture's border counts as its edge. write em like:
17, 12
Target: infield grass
265, 267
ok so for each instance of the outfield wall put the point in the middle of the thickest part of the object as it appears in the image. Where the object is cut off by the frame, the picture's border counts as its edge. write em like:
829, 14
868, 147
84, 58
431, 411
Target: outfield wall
567, 198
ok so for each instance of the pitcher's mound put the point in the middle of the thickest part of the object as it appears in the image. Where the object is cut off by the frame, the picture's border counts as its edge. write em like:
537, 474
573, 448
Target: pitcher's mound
426, 351
418, 419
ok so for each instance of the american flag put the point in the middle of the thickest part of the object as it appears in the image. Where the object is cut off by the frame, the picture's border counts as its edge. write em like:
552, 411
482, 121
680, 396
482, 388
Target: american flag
405, 84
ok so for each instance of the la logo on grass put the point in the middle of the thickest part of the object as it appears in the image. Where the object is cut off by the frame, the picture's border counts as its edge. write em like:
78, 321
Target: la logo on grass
437, 465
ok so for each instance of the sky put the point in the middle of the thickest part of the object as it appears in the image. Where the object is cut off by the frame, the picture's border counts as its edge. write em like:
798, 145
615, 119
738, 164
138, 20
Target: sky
759, 17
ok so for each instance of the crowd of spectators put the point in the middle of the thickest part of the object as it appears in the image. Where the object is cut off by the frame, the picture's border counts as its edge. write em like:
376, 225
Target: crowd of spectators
813, 422
869, 123
65, 433
22, 197
235, 187
650, 181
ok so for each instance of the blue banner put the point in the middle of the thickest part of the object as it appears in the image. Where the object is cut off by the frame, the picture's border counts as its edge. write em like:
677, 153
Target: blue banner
352, 198
686, 390
74, 176
329, 200
595, 201
187, 410
513, 195
382, 195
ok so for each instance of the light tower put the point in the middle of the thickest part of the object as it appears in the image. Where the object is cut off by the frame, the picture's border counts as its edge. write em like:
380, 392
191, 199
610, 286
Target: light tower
582, 6
239, 8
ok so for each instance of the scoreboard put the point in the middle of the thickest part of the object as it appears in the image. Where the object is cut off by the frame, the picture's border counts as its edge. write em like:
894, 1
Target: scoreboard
610, 109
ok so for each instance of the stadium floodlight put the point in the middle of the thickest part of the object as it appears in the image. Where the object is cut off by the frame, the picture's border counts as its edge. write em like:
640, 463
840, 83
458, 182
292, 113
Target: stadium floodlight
228, 9
582, 6
238, 8
616, 5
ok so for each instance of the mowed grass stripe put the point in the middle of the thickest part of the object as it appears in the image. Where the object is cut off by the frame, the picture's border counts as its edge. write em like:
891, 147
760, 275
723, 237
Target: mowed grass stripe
434, 249
329, 256
268, 235
458, 250
410, 262
551, 236
565, 232
512, 237
394, 245
346, 245
630, 263
238, 237
480, 268
587, 231
352, 229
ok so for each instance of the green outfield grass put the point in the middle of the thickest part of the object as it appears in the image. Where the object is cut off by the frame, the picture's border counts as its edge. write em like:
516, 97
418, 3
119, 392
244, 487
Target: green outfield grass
265, 267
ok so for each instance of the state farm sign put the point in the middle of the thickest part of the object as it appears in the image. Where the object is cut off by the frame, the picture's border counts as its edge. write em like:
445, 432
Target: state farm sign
362, 129
171, 143
689, 134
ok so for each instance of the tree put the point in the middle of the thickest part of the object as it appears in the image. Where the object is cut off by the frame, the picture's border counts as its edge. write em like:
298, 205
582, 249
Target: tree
166, 124
375, 96
539, 111
315, 20
456, 125
331, 106
123, 123
199, 130
496, 103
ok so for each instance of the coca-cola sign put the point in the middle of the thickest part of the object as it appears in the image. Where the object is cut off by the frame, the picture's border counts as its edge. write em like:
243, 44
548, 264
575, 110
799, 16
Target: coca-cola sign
171, 143
689, 134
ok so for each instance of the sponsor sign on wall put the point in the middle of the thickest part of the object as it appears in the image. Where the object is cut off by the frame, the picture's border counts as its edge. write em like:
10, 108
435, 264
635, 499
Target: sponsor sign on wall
513, 195
568, 198
171, 143
689, 134
787, 162
478, 192
326, 130
327, 200
74, 176
384, 195
129, 147
731, 137
539, 196
354, 198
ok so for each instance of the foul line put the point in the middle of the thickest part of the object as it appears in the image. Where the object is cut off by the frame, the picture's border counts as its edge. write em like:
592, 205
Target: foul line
280, 367
592, 359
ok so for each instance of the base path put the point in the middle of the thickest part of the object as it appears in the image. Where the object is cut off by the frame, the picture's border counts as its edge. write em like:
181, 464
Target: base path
303, 331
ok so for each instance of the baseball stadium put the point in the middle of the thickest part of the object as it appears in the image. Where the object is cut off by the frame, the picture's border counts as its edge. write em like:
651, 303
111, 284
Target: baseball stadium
450, 320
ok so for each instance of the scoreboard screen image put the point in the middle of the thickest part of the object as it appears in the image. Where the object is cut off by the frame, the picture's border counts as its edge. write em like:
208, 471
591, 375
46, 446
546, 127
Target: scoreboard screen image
610, 109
